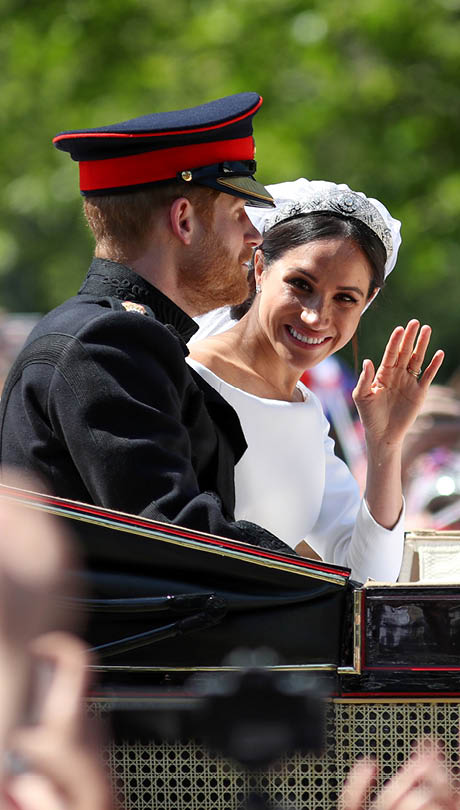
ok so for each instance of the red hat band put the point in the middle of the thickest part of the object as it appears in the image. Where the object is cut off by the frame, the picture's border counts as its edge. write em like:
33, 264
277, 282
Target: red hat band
162, 164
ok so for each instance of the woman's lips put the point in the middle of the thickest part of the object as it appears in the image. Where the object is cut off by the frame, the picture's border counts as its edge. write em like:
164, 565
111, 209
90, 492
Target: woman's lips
306, 340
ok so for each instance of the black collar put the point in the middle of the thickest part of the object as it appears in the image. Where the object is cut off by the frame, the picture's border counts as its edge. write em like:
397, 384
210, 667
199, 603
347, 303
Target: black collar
118, 281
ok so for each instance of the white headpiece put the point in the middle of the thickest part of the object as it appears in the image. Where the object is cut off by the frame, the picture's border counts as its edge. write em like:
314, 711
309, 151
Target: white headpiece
306, 196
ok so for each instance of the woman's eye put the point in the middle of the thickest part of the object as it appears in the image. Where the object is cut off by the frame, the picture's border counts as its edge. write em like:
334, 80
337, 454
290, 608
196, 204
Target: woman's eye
347, 298
300, 283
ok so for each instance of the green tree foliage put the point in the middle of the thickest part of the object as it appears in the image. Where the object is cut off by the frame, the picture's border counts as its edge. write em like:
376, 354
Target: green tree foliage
358, 91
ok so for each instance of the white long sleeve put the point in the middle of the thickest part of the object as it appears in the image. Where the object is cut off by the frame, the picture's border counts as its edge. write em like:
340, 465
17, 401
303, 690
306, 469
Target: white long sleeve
345, 532
290, 481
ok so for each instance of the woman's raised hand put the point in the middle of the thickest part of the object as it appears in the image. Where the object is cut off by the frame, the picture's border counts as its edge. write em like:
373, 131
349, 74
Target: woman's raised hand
389, 399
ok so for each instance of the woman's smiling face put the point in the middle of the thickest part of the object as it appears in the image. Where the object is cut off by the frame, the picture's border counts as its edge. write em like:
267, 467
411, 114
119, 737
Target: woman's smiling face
311, 299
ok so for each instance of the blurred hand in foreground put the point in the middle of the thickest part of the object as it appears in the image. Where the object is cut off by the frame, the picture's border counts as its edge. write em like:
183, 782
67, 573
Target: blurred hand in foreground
421, 784
60, 753
34, 556
47, 748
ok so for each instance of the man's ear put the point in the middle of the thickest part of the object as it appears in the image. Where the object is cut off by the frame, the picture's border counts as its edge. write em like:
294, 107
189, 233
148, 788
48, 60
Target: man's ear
182, 217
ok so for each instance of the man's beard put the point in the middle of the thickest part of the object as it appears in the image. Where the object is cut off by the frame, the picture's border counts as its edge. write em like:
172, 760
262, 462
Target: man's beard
211, 276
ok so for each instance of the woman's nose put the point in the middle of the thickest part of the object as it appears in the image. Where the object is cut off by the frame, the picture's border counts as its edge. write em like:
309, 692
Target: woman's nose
314, 315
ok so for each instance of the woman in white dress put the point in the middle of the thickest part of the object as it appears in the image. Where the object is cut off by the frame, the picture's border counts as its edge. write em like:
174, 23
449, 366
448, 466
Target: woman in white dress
325, 255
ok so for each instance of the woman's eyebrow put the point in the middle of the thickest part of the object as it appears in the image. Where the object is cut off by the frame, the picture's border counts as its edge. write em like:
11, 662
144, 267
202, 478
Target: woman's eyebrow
355, 289
305, 273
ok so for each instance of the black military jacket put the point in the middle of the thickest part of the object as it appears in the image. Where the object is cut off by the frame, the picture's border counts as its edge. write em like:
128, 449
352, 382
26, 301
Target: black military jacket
101, 404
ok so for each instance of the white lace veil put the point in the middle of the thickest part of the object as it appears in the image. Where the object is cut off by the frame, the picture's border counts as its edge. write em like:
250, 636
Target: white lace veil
305, 196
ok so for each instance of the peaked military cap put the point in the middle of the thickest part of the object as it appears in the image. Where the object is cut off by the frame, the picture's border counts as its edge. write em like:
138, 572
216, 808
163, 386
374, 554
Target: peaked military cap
211, 145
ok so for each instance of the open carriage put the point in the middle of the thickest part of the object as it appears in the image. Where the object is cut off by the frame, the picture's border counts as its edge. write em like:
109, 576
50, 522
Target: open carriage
166, 609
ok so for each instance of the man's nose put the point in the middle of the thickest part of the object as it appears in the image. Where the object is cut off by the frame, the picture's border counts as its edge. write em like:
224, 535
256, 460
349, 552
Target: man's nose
252, 236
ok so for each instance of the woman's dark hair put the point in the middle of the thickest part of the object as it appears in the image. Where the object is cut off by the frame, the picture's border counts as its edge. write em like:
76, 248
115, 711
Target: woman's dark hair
292, 233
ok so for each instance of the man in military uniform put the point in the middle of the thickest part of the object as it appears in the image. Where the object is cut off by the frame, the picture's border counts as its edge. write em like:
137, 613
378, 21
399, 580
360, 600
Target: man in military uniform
100, 402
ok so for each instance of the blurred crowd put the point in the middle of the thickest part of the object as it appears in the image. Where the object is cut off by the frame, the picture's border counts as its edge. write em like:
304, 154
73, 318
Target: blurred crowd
431, 471
14, 328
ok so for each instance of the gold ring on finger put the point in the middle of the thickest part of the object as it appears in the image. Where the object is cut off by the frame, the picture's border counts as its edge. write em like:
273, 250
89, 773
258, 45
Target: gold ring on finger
414, 373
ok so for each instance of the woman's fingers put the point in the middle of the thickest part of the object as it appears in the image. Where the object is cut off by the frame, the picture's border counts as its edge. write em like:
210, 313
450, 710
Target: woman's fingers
363, 386
406, 346
406, 350
402, 350
432, 369
391, 353
417, 357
